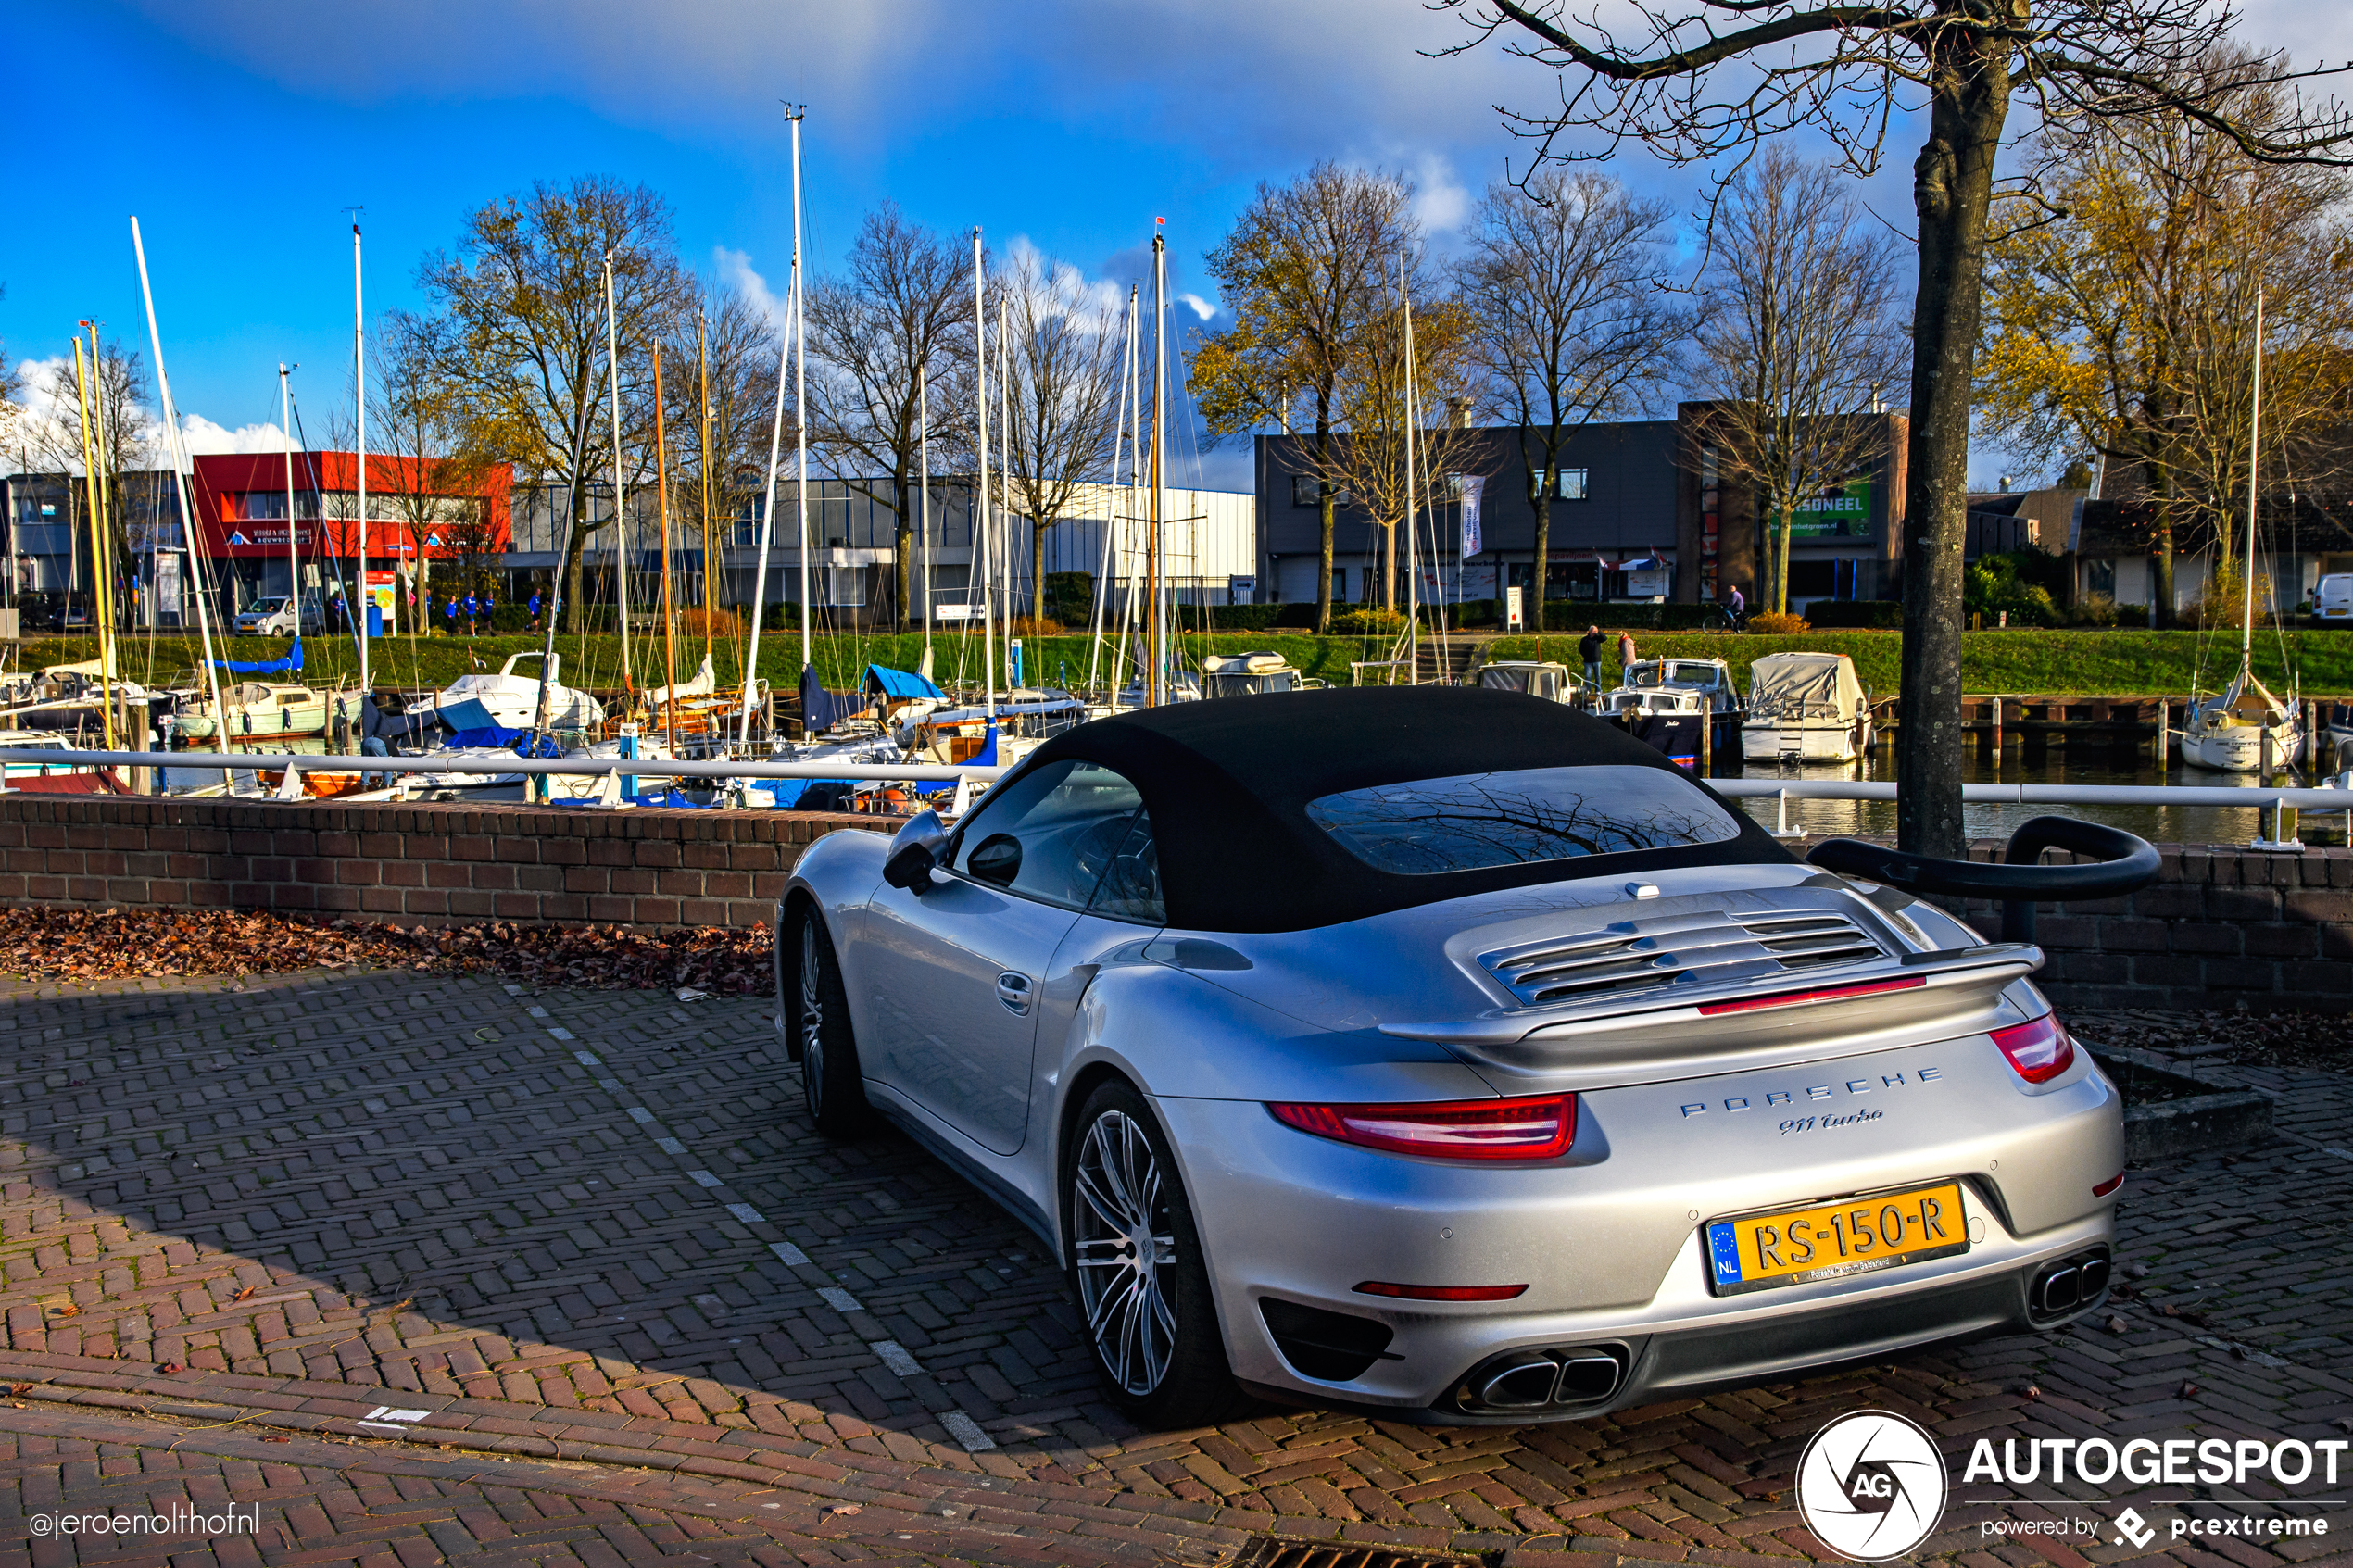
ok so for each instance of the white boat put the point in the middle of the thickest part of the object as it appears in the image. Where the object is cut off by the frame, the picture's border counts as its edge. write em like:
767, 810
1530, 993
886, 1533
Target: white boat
1805, 708
2247, 730
1539, 678
2228, 733
509, 701
257, 711
1249, 674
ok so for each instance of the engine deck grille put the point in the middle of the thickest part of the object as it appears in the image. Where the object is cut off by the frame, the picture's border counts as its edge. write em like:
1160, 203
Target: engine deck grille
1642, 955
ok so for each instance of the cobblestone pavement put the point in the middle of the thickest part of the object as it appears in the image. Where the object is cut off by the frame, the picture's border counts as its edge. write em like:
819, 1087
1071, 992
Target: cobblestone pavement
428, 1269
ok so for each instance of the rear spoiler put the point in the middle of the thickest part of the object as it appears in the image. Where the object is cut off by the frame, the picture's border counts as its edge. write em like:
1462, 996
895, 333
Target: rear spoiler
1761, 1021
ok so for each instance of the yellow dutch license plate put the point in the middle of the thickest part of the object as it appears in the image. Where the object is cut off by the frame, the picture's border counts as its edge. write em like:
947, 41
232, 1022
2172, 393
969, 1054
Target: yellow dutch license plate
1854, 1235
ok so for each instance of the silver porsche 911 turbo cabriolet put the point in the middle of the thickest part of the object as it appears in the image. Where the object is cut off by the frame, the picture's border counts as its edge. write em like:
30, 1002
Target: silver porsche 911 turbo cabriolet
1449, 1053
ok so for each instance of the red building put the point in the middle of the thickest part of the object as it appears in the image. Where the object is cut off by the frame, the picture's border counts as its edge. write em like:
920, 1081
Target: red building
241, 510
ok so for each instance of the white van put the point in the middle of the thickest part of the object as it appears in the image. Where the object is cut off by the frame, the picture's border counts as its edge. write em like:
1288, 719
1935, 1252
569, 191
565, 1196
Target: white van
2332, 600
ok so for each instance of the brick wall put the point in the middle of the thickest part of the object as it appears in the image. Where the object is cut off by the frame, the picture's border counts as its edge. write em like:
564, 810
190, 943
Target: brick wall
431, 862
2221, 925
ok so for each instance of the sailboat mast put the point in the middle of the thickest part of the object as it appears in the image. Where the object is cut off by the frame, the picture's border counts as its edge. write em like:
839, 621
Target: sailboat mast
661, 488
1156, 638
702, 357
285, 445
1005, 477
801, 401
360, 393
102, 538
98, 573
620, 491
923, 480
2254, 462
1411, 421
980, 484
180, 489
1110, 518
767, 522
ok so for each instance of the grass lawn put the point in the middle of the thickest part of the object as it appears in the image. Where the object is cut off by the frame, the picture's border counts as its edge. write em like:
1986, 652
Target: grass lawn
2016, 662
2094, 663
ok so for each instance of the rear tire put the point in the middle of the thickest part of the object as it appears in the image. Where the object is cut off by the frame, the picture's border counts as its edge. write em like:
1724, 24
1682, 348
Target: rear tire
831, 1085
1136, 1270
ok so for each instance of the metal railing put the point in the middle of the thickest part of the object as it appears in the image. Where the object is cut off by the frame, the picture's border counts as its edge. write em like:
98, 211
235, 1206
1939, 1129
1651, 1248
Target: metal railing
2276, 800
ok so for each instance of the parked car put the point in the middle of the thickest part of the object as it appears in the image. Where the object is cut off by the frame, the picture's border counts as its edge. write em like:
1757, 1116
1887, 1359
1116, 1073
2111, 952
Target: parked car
1450, 1055
275, 618
2332, 600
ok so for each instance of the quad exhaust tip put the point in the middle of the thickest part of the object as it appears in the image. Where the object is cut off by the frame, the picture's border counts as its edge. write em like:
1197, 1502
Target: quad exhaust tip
2069, 1286
1524, 1381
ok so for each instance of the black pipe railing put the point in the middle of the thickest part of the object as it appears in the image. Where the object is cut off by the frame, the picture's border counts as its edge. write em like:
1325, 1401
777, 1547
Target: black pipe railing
2122, 863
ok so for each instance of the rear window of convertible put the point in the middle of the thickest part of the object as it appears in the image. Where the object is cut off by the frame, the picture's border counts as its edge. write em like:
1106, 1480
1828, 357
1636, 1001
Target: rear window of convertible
1474, 820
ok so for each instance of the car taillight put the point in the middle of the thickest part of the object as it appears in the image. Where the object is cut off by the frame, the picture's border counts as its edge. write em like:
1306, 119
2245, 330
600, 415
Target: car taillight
1536, 1127
1798, 998
2039, 1050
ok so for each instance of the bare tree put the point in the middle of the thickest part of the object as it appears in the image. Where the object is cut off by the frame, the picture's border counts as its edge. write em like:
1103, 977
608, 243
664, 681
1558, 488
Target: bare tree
729, 459
2124, 326
1397, 453
524, 295
1308, 271
419, 421
1695, 80
1065, 364
1570, 320
1801, 336
903, 313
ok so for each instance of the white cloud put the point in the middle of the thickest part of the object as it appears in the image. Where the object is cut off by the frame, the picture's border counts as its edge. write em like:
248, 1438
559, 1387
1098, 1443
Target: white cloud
1201, 306
202, 438
735, 270
1440, 199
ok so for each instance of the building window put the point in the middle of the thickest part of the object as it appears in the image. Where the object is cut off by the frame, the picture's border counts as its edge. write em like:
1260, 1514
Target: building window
843, 585
1306, 492
2099, 577
1569, 485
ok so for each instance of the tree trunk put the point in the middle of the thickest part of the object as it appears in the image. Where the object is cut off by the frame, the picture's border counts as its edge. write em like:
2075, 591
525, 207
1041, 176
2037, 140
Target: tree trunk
1952, 184
1037, 566
1535, 617
1324, 519
575, 545
1783, 532
899, 541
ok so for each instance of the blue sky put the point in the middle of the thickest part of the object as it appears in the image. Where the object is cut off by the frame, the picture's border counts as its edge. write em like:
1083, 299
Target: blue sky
238, 131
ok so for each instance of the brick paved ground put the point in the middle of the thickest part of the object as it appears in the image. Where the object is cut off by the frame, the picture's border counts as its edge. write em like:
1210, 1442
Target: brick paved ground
426, 1269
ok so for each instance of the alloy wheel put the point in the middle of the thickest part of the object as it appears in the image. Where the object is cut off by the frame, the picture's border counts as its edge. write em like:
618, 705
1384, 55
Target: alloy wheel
812, 1016
1126, 1250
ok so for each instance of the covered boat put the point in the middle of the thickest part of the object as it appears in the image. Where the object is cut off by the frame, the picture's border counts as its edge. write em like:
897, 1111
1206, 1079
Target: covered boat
1249, 674
1537, 677
1805, 708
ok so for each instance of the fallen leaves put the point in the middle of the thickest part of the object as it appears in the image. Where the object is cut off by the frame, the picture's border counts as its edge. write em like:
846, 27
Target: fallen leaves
2189, 1391
86, 945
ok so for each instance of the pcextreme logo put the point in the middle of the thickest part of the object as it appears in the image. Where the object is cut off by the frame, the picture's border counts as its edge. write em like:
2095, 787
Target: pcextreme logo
1871, 1485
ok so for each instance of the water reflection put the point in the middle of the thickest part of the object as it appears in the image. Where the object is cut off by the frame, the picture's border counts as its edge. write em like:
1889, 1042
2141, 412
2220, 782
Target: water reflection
2077, 765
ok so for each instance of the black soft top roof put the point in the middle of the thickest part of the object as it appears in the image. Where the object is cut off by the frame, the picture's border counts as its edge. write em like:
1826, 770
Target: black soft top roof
1228, 784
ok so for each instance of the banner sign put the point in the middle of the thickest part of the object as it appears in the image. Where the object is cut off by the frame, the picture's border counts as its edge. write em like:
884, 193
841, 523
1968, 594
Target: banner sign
1472, 488
1837, 511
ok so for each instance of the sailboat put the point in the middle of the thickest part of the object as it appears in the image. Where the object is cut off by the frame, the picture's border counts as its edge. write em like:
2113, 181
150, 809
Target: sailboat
2247, 730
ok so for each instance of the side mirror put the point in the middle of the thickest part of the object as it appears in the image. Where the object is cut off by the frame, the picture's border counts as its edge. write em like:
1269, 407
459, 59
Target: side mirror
914, 850
998, 859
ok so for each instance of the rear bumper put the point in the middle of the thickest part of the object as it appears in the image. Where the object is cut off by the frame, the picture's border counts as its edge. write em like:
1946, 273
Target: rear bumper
1609, 1241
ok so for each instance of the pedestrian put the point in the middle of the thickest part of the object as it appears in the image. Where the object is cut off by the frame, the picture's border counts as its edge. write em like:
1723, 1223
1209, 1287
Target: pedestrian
1625, 651
535, 609
449, 613
490, 611
473, 609
1589, 648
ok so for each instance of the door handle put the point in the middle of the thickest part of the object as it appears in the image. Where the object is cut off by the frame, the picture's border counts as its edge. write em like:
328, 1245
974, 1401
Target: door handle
1014, 991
